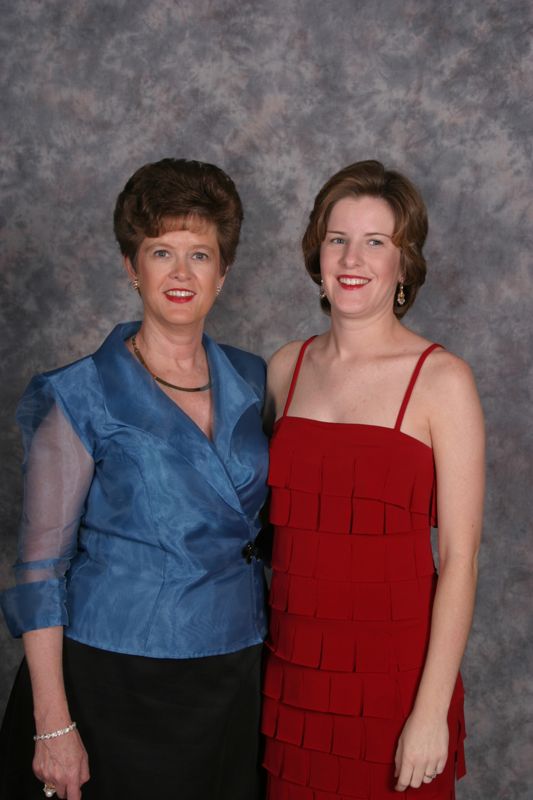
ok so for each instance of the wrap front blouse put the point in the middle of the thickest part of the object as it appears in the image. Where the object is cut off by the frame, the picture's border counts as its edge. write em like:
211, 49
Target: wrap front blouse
134, 522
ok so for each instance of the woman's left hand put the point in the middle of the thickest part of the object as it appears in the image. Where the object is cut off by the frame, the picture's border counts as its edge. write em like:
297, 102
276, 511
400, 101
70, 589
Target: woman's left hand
422, 751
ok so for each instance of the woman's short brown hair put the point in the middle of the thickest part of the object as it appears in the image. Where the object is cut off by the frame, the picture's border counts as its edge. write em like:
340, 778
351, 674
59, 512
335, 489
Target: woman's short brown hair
370, 178
171, 194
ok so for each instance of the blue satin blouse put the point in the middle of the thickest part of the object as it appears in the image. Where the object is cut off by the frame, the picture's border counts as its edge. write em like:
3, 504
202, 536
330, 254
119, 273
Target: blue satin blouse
153, 563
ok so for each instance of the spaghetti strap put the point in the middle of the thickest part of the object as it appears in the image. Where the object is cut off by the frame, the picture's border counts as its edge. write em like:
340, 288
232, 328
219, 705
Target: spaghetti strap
299, 360
412, 382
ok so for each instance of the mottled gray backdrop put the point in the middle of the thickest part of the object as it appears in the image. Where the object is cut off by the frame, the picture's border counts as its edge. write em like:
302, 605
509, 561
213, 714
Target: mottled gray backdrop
281, 94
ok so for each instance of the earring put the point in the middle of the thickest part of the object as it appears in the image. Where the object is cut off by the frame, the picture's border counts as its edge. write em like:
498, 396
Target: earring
400, 297
135, 284
219, 289
322, 292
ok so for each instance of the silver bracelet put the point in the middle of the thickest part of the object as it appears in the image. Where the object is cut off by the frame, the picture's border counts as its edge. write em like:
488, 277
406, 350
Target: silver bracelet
54, 734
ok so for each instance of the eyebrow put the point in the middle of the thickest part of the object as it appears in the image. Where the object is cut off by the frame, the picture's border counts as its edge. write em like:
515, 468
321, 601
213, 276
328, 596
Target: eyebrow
158, 243
370, 233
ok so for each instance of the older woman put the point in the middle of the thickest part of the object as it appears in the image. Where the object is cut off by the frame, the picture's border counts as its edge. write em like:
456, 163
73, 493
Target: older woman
139, 597
376, 428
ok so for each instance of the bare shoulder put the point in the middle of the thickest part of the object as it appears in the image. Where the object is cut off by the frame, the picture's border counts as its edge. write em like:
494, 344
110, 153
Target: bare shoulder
445, 372
279, 374
450, 391
282, 362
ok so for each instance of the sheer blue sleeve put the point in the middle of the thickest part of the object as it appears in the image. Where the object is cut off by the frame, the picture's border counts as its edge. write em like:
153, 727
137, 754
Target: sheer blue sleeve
57, 471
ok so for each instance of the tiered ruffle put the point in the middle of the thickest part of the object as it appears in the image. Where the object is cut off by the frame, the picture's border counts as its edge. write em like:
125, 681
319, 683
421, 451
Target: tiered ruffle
372, 489
351, 597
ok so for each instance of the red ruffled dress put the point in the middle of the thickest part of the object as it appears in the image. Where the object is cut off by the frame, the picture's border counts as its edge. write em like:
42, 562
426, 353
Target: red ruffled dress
351, 597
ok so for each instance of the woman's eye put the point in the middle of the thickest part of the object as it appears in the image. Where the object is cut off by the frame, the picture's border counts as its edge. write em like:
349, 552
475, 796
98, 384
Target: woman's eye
199, 256
160, 253
374, 242
338, 240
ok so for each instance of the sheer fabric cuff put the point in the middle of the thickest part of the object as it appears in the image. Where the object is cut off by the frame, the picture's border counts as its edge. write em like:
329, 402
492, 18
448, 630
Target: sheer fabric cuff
31, 606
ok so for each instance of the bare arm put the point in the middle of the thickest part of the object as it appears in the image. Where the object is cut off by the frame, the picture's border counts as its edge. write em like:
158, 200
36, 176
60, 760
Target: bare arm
61, 762
458, 442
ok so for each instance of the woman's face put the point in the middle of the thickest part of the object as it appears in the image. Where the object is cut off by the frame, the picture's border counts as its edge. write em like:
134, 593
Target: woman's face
359, 263
178, 274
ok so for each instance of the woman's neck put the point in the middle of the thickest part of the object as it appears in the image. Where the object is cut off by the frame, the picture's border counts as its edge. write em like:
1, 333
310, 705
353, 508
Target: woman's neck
349, 337
180, 347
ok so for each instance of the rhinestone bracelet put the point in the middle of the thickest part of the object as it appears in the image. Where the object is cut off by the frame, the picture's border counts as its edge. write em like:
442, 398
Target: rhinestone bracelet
54, 734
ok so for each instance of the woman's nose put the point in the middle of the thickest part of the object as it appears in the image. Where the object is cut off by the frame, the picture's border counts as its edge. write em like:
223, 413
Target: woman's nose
352, 255
180, 268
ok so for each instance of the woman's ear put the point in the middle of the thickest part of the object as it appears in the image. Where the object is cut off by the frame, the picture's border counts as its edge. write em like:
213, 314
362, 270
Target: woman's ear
128, 266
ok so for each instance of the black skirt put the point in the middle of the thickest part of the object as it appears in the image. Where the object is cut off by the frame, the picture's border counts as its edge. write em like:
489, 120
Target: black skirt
153, 728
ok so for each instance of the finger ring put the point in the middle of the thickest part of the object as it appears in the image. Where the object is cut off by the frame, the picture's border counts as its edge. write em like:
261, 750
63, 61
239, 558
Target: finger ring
432, 776
49, 790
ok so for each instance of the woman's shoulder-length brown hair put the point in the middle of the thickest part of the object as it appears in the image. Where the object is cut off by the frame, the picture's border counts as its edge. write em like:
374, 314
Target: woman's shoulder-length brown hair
370, 178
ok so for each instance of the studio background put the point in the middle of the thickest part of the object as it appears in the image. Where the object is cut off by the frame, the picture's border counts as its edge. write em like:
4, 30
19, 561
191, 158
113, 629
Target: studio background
281, 94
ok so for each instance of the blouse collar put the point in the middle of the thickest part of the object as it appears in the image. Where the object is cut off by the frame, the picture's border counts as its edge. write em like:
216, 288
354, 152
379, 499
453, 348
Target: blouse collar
133, 398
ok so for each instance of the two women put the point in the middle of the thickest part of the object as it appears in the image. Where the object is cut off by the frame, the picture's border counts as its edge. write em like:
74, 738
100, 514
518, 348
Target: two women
375, 429
139, 601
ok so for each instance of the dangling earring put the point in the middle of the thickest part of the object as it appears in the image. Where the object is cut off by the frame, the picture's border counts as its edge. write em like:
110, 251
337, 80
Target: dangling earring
400, 297
135, 284
322, 292
219, 289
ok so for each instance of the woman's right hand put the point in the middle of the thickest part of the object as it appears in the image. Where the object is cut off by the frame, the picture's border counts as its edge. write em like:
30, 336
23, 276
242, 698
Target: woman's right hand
62, 761
63, 764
